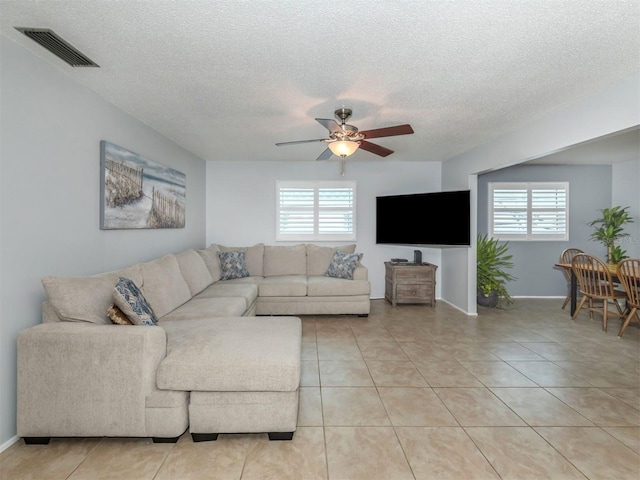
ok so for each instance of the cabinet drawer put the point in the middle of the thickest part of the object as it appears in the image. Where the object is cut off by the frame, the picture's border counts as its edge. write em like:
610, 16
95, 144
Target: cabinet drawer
414, 276
414, 293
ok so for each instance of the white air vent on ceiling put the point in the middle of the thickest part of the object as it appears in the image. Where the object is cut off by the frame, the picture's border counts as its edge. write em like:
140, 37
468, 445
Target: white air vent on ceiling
56, 45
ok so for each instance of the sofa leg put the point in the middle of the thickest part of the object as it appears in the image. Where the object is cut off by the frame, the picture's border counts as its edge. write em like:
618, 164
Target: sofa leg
280, 435
204, 437
37, 440
165, 439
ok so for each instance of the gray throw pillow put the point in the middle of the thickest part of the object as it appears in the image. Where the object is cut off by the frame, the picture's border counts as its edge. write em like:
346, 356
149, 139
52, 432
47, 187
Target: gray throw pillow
128, 298
343, 265
233, 264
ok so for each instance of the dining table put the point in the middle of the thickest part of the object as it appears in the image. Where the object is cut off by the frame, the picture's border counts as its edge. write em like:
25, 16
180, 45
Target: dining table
613, 270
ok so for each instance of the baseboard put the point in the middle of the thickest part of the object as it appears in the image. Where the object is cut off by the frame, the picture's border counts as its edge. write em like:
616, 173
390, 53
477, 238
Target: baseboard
456, 307
8, 443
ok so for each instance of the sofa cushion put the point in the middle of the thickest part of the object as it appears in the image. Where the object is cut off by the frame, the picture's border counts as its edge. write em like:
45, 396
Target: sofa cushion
285, 260
232, 355
232, 265
194, 271
343, 265
329, 287
86, 299
319, 258
283, 286
130, 299
163, 285
254, 256
206, 308
211, 260
247, 291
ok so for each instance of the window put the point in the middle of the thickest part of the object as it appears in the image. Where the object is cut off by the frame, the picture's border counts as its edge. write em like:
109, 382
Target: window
529, 211
308, 211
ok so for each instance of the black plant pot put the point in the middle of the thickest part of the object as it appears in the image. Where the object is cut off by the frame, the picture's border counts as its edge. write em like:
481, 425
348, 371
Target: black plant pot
489, 301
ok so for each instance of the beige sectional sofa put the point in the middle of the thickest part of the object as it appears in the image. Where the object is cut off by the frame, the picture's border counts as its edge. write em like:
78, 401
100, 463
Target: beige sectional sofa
209, 365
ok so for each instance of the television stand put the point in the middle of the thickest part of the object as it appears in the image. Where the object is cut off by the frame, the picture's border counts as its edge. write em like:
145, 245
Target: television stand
410, 283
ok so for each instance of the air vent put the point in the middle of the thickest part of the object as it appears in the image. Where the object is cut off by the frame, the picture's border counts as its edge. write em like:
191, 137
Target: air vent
56, 45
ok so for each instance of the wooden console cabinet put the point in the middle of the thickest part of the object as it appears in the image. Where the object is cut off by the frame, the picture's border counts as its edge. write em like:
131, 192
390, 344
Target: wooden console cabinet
410, 283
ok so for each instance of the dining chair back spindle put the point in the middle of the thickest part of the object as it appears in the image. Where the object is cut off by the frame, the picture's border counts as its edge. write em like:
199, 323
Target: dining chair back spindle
566, 257
596, 285
629, 276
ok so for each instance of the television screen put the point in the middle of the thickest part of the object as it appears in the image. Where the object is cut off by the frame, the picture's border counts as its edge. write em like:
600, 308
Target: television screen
438, 219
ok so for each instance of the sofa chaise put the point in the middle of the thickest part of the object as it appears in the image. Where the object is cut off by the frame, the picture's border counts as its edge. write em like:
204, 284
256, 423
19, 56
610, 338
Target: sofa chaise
208, 365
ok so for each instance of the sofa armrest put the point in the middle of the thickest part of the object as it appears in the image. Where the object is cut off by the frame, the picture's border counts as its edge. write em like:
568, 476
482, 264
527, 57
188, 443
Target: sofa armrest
361, 273
82, 379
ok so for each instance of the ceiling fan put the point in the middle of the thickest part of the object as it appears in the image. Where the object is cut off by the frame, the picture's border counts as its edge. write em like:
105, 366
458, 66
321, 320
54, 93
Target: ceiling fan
345, 139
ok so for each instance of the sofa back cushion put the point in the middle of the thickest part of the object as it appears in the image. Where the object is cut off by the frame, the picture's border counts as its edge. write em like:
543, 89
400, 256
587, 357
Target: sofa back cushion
211, 260
163, 285
86, 299
194, 271
285, 260
319, 258
254, 257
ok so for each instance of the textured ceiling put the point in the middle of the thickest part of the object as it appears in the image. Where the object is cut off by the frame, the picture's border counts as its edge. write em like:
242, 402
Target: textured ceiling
228, 79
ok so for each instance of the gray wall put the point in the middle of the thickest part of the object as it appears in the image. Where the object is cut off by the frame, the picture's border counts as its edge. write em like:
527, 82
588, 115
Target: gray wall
50, 132
589, 191
626, 192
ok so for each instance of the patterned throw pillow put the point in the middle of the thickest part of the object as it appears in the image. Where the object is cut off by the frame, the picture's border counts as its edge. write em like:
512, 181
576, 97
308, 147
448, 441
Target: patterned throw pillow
343, 265
128, 298
233, 264
117, 316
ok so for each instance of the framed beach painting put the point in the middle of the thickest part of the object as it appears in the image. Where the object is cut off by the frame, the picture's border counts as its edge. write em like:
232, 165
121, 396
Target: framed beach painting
137, 192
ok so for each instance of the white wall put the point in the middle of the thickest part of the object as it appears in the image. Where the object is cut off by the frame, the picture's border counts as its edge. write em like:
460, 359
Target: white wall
241, 202
50, 132
612, 110
626, 192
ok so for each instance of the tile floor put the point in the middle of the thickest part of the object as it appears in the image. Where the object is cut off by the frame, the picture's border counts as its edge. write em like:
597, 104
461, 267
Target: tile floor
418, 393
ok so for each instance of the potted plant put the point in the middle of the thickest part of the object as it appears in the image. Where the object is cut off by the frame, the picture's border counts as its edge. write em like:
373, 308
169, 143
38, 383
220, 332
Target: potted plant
492, 259
609, 228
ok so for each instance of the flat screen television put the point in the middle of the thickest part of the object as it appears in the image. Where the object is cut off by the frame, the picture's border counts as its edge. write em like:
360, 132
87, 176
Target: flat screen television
425, 219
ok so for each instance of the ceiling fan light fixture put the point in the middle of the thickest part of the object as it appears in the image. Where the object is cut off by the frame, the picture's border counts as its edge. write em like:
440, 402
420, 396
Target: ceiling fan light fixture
344, 148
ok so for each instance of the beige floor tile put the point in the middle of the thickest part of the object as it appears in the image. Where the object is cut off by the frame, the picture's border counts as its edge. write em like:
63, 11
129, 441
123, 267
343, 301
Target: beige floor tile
469, 353
309, 407
425, 352
512, 351
477, 407
497, 374
538, 407
447, 374
309, 350
375, 332
333, 331
555, 351
443, 453
353, 406
365, 453
630, 436
223, 458
310, 373
302, 457
548, 374
415, 407
339, 350
117, 458
599, 374
407, 333
344, 374
54, 461
597, 406
395, 374
376, 350
587, 447
521, 454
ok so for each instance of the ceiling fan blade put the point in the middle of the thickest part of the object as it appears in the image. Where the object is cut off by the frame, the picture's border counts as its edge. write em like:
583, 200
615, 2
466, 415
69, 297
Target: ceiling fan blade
302, 141
376, 149
326, 155
388, 131
330, 124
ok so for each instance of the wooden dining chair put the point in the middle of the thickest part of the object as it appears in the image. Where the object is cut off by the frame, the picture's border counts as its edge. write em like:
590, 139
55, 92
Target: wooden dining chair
566, 257
629, 276
596, 286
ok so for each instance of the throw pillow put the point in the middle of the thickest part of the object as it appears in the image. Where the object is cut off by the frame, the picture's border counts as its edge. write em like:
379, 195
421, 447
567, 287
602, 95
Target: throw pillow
117, 316
128, 298
343, 265
233, 264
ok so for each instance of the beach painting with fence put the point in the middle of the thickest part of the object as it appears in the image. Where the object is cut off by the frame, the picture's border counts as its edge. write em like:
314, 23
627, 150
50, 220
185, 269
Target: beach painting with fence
137, 192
